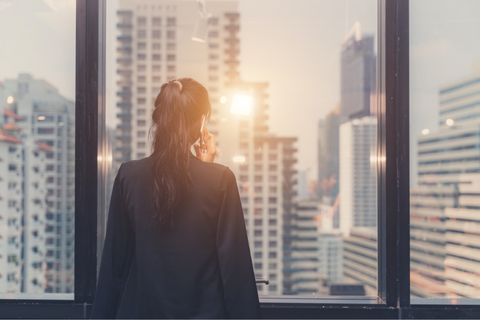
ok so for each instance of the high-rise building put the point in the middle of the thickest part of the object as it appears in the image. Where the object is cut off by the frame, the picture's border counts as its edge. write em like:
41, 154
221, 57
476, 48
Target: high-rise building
22, 208
328, 157
49, 118
155, 45
358, 179
444, 214
358, 77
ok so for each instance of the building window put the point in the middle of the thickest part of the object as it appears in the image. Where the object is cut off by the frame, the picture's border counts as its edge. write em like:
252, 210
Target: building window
258, 156
213, 56
258, 189
257, 265
156, 21
272, 211
272, 244
257, 233
272, 265
258, 167
170, 46
243, 145
141, 145
156, 34
170, 57
141, 134
156, 57
258, 244
272, 233
258, 179
212, 67
141, 46
141, 123
155, 79
141, 79
272, 222
272, 189
213, 34
272, 179
272, 200
272, 276
257, 222
258, 200
243, 178
258, 255
171, 22
156, 46
141, 112
272, 255
171, 68
141, 21
272, 167
213, 45
170, 34
141, 89
156, 68
258, 211
272, 287
272, 156
141, 155
141, 34
45, 130
244, 168
141, 100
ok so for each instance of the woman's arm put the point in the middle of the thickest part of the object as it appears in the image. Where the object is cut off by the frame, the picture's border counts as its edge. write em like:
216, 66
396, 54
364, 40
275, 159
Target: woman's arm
117, 255
240, 290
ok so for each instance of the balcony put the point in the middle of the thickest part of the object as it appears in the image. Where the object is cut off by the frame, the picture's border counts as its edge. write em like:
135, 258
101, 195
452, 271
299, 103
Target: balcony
124, 38
289, 150
124, 93
124, 26
124, 126
124, 104
124, 115
124, 61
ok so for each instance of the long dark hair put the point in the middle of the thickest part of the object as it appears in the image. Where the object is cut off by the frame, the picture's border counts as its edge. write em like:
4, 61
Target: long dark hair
175, 126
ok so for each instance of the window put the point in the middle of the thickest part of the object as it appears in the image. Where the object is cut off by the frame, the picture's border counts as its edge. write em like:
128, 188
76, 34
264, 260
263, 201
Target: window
272, 211
141, 57
141, 79
171, 68
170, 57
213, 34
141, 134
45, 131
141, 46
156, 34
258, 178
272, 233
141, 100
156, 68
272, 189
141, 145
156, 21
258, 167
272, 255
258, 255
170, 34
171, 22
213, 21
141, 123
171, 46
141, 21
272, 244
258, 211
155, 79
141, 90
141, 34
156, 46
141, 112
156, 57
272, 222
258, 222
272, 167
258, 233
272, 200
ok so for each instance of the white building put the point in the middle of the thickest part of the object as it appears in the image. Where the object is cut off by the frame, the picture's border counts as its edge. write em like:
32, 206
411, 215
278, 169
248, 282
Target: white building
49, 119
358, 176
22, 208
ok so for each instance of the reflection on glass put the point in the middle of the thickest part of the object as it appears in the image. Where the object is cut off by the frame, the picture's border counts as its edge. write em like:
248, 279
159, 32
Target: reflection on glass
295, 121
37, 145
445, 163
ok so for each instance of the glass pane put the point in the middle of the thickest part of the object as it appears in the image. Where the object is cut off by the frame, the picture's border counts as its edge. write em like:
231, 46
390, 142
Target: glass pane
37, 149
293, 92
444, 142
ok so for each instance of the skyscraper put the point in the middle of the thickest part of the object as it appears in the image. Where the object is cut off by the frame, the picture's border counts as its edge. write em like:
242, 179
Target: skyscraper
358, 78
49, 118
444, 205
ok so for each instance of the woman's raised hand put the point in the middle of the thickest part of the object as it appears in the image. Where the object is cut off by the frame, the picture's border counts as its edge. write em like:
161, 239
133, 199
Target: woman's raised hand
208, 151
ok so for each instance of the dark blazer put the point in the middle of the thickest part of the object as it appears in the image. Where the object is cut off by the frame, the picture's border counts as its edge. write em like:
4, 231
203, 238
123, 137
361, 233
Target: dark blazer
199, 268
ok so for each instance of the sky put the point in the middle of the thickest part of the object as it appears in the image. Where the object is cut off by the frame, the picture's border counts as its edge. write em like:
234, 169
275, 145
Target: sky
294, 45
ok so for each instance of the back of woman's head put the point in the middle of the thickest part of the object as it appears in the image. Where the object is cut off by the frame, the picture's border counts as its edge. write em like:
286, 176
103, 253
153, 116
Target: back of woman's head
175, 126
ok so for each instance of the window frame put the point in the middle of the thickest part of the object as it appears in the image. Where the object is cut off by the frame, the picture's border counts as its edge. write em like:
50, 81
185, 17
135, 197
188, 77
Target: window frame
393, 184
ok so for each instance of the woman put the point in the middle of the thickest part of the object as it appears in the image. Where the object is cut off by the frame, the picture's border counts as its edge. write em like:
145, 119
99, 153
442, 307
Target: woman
176, 244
